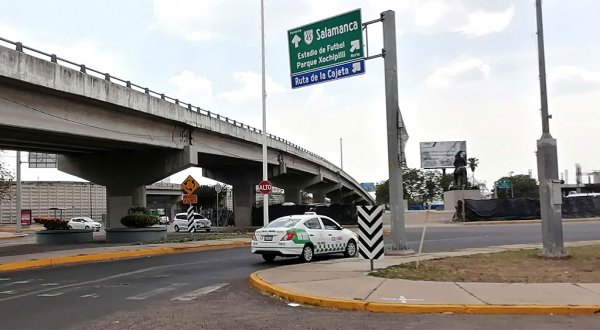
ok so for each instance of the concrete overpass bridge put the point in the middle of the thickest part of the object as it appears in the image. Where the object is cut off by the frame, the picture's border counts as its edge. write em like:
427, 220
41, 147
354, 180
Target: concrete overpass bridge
124, 136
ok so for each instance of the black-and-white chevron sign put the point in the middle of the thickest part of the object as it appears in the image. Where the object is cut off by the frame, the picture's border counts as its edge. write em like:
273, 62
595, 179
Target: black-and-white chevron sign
190, 218
370, 236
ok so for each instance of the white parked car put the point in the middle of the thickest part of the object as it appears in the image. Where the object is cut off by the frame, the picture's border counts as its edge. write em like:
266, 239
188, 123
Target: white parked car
180, 223
163, 219
305, 236
84, 223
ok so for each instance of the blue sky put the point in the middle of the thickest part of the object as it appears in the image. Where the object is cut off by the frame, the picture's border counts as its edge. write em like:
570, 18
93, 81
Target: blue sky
467, 71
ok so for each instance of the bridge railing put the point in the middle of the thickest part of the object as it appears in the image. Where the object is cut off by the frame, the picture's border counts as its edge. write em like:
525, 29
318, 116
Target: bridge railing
108, 77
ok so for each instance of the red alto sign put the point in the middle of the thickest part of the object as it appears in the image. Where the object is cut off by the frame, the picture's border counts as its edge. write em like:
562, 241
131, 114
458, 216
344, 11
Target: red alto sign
264, 187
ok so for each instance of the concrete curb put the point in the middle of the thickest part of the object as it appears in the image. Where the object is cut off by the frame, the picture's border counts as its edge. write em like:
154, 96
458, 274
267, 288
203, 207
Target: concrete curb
14, 236
359, 305
516, 222
85, 258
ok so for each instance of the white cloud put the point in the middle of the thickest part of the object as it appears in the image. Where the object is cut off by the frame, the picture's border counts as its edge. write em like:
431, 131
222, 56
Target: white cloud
251, 87
190, 84
567, 79
86, 51
430, 12
469, 17
204, 20
482, 23
457, 72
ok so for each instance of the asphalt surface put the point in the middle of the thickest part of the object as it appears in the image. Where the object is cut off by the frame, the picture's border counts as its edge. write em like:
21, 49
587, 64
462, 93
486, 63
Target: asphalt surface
138, 293
238, 306
475, 236
71, 296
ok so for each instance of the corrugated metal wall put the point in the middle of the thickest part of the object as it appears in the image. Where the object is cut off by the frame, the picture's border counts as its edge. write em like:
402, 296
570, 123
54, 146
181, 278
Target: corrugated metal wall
75, 198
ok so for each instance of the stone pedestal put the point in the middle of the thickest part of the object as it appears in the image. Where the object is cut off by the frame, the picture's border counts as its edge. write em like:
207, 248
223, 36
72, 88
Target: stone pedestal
453, 196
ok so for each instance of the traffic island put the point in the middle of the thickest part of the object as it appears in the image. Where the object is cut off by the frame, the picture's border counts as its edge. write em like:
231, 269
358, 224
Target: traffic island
58, 237
136, 235
447, 282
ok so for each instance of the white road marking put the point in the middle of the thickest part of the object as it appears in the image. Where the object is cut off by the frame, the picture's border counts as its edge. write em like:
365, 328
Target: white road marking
119, 275
202, 291
91, 295
50, 294
8, 292
402, 299
154, 292
50, 284
22, 282
5, 279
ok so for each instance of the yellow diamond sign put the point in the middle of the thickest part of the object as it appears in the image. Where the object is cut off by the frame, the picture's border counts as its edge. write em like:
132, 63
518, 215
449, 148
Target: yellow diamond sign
189, 185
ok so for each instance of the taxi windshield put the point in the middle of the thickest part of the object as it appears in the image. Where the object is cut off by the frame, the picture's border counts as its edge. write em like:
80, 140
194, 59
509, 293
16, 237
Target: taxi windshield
283, 223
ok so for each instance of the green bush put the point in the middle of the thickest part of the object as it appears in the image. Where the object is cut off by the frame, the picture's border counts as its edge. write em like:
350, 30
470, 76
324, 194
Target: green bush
139, 217
52, 223
138, 210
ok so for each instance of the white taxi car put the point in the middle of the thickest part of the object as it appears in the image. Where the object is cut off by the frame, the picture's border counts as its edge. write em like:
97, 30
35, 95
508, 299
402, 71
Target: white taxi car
303, 235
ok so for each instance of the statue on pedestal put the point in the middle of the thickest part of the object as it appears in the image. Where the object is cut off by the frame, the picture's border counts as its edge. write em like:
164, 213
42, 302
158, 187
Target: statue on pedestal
460, 170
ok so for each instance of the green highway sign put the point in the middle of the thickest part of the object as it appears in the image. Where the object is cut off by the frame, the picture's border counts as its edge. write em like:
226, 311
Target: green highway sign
504, 184
334, 43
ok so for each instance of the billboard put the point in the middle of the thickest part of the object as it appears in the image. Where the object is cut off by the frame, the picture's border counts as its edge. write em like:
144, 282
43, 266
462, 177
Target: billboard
42, 160
440, 154
368, 186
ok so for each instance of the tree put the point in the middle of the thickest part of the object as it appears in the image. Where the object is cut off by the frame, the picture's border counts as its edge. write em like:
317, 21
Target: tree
446, 181
473, 162
419, 186
382, 192
306, 198
523, 186
6, 180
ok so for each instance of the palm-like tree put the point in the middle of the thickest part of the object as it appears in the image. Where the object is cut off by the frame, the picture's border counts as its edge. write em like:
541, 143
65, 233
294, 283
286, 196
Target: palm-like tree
473, 162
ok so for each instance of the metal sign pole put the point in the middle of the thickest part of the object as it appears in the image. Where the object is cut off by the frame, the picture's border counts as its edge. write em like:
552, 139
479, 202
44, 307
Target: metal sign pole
217, 212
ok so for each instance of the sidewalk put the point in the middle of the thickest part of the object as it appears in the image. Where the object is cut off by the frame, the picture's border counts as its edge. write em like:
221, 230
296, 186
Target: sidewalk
345, 284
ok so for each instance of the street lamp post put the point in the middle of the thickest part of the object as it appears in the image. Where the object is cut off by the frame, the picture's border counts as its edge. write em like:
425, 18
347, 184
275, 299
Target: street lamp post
547, 162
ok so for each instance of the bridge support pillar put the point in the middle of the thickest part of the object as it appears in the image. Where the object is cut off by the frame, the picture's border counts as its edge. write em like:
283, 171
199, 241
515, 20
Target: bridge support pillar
244, 195
319, 197
335, 199
293, 194
119, 200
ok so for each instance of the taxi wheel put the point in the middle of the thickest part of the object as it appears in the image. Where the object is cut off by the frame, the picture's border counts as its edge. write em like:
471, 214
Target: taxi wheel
307, 253
268, 257
350, 249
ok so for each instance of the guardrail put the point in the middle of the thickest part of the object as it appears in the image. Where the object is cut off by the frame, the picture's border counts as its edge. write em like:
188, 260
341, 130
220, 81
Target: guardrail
108, 77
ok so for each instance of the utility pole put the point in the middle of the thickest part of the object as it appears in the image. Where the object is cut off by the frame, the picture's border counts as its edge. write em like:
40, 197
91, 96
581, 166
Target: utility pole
547, 162
18, 227
394, 142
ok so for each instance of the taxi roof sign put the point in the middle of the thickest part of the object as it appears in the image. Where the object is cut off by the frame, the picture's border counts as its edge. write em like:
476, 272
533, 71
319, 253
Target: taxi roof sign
189, 185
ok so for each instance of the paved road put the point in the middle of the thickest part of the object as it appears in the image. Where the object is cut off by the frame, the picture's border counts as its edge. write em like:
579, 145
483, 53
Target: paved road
472, 236
71, 296
139, 293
